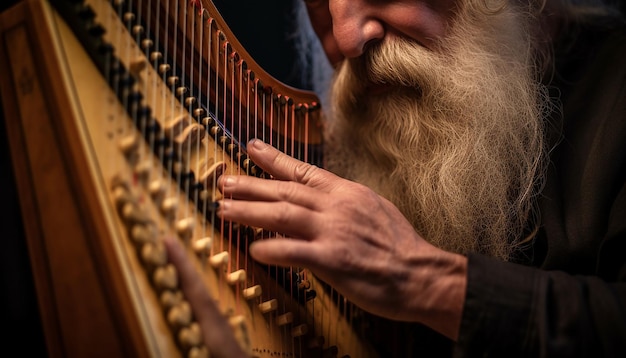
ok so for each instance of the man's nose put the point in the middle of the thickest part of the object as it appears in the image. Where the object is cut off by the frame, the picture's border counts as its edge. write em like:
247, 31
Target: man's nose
355, 26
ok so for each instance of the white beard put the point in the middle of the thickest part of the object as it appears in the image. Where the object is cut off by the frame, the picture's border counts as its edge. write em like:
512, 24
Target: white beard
456, 138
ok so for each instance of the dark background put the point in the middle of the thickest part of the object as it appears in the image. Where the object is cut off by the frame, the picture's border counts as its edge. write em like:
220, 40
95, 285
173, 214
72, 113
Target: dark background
260, 26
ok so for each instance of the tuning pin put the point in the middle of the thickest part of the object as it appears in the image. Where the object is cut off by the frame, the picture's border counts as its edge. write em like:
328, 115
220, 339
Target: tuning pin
304, 284
190, 101
164, 68
129, 146
202, 246
198, 112
268, 306
175, 126
180, 91
170, 298
129, 17
215, 130
121, 195
154, 254
184, 228
157, 189
156, 56
137, 66
207, 121
143, 233
146, 44
198, 352
252, 292
179, 315
284, 319
236, 277
169, 206
209, 178
165, 277
173, 80
137, 30
190, 135
132, 214
190, 336
143, 170
299, 331
219, 259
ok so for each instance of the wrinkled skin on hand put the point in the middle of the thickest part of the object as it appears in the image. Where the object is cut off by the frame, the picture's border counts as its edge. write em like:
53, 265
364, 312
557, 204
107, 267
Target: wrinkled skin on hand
348, 236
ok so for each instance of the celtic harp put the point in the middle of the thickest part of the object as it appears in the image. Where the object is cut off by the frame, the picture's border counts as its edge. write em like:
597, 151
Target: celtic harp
120, 116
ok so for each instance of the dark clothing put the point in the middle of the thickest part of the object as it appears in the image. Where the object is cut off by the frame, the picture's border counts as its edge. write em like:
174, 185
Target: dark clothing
573, 304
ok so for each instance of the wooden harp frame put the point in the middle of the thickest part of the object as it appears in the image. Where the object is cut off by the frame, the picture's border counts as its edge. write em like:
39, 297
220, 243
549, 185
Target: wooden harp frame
97, 294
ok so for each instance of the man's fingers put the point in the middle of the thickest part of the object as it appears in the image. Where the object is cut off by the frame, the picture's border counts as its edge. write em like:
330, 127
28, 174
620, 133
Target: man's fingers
284, 167
286, 218
254, 189
285, 252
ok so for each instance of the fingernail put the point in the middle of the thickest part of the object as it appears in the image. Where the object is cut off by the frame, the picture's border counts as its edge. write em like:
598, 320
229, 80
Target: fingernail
257, 143
228, 180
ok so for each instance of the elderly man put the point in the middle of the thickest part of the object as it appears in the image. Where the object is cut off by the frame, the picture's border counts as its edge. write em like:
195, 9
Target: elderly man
478, 170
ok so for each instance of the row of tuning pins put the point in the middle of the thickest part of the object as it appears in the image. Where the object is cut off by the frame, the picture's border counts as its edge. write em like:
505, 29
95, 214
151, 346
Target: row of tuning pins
151, 252
186, 130
144, 235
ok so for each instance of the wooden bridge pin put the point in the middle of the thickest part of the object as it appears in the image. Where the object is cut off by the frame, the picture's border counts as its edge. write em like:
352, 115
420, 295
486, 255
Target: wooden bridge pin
129, 144
284, 319
169, 206
219, 259
202, 246
165, 277
156, 56
198, 352
268, 306
252, 292
299, 331
179, 315
185, 227
153, 254
236, 277
190, 336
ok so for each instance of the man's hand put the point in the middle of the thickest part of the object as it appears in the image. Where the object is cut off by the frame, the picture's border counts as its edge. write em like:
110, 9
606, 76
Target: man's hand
216, 331
349, 236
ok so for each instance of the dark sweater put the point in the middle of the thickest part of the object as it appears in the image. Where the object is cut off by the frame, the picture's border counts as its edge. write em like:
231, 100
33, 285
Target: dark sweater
569, 297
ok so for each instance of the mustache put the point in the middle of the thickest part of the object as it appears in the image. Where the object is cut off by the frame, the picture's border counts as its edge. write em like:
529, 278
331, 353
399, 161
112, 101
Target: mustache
396, 63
